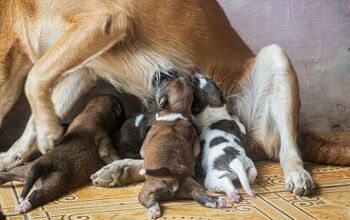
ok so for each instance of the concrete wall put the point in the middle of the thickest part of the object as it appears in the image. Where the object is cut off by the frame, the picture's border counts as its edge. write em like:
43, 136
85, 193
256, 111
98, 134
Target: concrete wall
315, 34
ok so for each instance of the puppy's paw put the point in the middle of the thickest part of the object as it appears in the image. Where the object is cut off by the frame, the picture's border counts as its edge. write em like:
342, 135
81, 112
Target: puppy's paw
154, 211
118, 173
23, 207
300, 182
47, 136
222, 203
234, 197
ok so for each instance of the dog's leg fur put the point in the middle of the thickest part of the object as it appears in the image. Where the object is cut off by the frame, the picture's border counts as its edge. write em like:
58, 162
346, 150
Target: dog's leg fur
216, 183
64, 96
269, 106
119, 173
84, 40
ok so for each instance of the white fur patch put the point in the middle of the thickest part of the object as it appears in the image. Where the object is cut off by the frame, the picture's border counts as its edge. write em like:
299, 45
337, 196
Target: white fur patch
202, 82
138, 120
211, 115
170, 117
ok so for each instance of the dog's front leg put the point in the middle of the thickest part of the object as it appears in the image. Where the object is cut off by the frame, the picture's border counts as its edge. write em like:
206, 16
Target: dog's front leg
88, 37
119, 173
64, 95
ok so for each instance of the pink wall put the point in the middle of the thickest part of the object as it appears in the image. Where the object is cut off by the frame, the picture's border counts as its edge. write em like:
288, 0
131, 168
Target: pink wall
316, 35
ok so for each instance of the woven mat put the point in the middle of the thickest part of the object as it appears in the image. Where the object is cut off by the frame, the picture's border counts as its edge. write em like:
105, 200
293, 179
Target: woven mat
272, 201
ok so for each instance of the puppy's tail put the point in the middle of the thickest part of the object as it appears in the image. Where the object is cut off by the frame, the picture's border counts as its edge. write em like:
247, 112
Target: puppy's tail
237, 166
328, 148
165, 171
157, 172
37, 170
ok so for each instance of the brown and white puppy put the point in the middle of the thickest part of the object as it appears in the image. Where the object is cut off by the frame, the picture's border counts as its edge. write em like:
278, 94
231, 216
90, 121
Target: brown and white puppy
170, 150
78, 155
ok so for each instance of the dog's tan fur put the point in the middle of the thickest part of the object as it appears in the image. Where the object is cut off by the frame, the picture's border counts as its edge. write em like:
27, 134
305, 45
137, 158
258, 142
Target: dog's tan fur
71, 43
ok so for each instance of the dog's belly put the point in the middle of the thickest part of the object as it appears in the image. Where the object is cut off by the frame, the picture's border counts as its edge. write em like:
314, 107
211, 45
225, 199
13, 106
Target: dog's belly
130, 68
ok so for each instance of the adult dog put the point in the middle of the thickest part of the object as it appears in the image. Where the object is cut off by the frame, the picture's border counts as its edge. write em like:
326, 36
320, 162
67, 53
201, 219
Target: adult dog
61, 47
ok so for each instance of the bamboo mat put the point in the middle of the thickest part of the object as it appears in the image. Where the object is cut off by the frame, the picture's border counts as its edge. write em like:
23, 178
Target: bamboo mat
272, 201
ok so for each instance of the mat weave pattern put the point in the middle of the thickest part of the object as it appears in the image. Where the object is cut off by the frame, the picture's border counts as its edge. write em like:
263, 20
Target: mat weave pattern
272, 201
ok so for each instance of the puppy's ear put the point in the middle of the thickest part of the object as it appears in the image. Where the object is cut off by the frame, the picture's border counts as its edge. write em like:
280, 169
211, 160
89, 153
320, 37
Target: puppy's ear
195, 82
222, 97
160, 77
162, 101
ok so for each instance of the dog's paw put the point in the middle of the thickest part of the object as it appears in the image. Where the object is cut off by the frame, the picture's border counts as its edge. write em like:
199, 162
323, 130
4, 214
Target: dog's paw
9, 160
23, 207
154, 211
118, 173
47, 136
300, 182
234, 197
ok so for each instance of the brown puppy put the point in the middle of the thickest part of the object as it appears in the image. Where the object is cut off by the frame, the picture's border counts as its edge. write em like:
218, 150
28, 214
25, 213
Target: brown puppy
70, 164
170, 149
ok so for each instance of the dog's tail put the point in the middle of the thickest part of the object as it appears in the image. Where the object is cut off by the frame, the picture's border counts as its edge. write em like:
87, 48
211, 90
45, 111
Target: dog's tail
237, 166
37, 170
328, 148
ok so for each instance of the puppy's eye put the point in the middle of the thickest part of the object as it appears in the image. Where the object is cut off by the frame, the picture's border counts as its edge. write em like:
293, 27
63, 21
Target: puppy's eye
118, 110
162, 101
195, 109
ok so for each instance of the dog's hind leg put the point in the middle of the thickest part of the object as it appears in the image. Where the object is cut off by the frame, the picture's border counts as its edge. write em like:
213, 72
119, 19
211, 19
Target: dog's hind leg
223, 184
269, 105
191, 189
53, 187
64, 96
150, 194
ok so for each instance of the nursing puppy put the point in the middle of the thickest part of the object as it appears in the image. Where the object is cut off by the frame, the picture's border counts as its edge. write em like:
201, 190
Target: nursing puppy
170, 150
70, 164
128, 141
132, 134
223, 156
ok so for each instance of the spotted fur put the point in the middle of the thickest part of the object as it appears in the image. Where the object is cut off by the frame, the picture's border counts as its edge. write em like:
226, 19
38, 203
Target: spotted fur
223, 155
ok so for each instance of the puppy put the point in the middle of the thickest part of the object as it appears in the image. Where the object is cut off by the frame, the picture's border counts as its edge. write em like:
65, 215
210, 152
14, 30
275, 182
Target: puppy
81, 152
170, 150
128, 141
223, 156
132, 133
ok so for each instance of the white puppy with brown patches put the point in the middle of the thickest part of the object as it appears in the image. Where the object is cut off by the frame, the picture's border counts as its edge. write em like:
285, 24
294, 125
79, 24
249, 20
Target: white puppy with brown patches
223, 156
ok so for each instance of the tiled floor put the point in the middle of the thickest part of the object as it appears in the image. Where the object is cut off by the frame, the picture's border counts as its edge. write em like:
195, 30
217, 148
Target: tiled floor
272, 201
